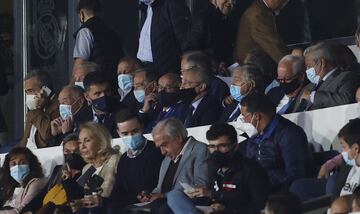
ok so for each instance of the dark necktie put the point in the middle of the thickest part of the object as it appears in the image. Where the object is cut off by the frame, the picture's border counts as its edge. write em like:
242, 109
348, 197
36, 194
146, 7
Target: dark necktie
235, 115
318, 85
100, 118
189, 115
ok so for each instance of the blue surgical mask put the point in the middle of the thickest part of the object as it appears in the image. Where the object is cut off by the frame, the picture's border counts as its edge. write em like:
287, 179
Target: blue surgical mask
349, 162
19, 172
139, 95
235, 92
312, 76
65, 111
133, 142
125, 82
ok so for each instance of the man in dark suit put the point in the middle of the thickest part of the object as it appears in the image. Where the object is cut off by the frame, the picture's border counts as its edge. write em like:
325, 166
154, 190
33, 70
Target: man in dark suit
292, 79
186, 162
257, 29
164, 34
246, 79
329, 85
138, 168
102, 105
276, 143
204, 109
163, 104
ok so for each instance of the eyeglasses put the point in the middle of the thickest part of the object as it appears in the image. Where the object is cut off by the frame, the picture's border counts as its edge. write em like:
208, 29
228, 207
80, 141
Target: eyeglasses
242, 117
220, 147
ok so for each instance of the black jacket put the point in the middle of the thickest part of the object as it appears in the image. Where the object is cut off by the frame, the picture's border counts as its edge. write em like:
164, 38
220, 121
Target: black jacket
228, 110
169, 34
207, 112
243, 188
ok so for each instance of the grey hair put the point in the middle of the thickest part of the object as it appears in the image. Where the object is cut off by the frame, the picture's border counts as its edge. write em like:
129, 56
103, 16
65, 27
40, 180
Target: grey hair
172, 128
76, 91
43, 78
298, 63
89, 66
321, 51
248, 72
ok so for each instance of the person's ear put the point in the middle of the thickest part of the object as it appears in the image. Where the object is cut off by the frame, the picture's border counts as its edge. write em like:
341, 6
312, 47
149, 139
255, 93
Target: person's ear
87, 97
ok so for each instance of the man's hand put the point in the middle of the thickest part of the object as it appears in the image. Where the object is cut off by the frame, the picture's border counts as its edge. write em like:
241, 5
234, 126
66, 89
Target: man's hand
76, 205
306, 95
56, 126
144, 196
155, 196
40, 99
67, 125
199, 192
90, 201
323, 173
228, 100
149, 102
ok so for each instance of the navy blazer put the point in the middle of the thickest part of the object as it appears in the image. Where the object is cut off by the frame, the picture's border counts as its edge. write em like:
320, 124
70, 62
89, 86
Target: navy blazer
207, 112
150, 119
218, 88
86, 115
226, 113
131, 102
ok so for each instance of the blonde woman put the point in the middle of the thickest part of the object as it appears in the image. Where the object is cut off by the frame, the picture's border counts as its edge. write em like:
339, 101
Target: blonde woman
95, 148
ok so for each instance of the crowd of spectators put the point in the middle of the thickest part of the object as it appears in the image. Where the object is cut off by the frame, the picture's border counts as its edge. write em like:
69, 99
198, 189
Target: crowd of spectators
175, 83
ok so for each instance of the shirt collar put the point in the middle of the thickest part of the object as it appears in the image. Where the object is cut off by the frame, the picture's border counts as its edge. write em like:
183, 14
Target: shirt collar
182, 151
134, 153
270, 128
329, 74
197, 103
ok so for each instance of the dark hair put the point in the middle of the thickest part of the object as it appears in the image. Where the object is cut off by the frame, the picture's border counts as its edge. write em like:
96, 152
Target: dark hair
93, 6
284, 203
258, 102
70, 137
150, 75
222, 129
94, 78
356, 195
137, 64
42, 77
36, 171
351, 132
126, 115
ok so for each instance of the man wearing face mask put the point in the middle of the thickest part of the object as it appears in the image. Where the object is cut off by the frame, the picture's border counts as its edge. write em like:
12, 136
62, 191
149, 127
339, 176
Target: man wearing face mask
101, 104
349, 176
72, 101
138, 168
125, 71
43, 107
257, 29
292, 79
246, 79
144, 87
204, 109
96, 42
329, 85
164, 34
277, 144
167, 102
238, 180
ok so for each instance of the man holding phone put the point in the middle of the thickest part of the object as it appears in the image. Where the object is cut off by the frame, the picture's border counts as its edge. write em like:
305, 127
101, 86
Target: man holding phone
43, 106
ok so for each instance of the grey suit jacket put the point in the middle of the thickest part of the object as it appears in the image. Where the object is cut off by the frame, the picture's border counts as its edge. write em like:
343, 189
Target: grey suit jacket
338, 89
193, 167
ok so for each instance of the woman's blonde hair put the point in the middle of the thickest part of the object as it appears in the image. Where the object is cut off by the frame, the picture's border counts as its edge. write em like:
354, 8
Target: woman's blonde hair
101, 137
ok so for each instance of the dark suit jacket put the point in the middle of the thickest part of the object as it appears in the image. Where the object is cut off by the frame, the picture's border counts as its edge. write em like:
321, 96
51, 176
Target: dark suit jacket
226, 113
131, 102
338, 89
207, 112
170, 27
41, 120
276, 94
257, 29
86, 115
218, 88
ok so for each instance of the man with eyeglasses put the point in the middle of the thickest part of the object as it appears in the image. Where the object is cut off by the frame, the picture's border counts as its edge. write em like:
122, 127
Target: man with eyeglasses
241, 185
277, 144
165, 103
292, 80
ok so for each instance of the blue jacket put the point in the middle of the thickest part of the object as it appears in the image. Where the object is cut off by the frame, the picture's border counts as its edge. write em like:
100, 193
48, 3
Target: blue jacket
281, 150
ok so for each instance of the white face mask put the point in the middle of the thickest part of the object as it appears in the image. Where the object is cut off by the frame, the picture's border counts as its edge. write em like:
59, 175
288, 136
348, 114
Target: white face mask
31, 101
80, 84
248, 128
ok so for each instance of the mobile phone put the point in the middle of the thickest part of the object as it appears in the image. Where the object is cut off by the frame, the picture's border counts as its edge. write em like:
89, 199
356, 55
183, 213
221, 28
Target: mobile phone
46, 90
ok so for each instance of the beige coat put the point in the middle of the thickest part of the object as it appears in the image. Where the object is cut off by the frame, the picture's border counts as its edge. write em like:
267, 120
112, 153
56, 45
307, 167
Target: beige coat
33, 187
257, 29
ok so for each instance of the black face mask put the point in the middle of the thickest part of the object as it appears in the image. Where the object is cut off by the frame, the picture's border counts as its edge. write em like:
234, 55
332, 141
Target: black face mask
105, 104
290, 87
187, 95
75, 161
166, 99
221, 159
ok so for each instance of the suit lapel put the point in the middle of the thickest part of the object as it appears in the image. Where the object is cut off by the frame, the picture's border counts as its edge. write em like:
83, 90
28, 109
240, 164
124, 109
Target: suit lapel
329, 80
164, 169
184, 158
